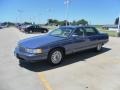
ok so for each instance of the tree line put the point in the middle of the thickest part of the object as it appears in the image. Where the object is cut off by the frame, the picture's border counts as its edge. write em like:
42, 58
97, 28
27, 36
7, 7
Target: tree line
54, 22
63, 23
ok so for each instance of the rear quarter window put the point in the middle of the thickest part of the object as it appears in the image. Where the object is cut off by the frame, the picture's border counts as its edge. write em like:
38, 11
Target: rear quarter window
89, 31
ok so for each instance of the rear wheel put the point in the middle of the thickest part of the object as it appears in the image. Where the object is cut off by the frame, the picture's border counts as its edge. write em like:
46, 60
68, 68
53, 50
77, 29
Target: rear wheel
44, 31
30, 31
55, 57
99, 47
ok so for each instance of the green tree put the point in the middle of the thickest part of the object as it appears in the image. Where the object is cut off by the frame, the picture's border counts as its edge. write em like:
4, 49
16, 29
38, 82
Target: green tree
50, 21
53, 22
74, 23
27, 23
63, 23
82, 22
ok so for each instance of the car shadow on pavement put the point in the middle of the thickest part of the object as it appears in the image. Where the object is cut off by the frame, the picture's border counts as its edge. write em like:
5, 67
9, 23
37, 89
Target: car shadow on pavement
69, 59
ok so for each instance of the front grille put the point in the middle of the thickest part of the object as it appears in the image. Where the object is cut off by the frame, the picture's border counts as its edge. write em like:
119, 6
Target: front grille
22, 49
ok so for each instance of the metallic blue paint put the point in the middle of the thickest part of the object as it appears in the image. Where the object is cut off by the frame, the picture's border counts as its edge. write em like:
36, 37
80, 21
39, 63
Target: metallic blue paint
48, 42
38, 41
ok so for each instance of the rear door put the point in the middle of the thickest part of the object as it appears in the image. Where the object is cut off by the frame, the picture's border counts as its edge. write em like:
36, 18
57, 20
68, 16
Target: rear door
79, 41
92, 35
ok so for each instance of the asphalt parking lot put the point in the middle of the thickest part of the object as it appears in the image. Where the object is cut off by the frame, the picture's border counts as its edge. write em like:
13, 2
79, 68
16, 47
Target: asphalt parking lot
86, 70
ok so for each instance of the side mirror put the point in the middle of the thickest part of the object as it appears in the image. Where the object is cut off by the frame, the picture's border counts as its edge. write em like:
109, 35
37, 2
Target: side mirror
75, 35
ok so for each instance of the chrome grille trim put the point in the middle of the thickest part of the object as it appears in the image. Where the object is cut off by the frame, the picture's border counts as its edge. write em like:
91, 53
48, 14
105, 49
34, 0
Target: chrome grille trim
22, 49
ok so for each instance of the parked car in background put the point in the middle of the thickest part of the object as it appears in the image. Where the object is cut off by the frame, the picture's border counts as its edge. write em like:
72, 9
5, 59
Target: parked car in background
60, 42
21, 26
3, 26
34, 28
0, 27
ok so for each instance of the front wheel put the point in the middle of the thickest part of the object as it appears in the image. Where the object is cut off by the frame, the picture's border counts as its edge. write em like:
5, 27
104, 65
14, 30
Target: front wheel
55, 57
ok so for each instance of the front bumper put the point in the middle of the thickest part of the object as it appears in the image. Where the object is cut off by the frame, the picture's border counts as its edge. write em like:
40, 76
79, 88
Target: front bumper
29, 57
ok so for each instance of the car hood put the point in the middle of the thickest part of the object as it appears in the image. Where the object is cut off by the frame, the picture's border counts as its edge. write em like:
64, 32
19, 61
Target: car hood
39, 41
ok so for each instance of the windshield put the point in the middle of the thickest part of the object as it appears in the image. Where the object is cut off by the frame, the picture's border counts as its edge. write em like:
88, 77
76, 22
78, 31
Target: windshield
61, 32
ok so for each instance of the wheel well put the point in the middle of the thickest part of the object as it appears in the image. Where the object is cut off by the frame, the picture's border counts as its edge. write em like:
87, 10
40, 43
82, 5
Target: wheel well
61, 48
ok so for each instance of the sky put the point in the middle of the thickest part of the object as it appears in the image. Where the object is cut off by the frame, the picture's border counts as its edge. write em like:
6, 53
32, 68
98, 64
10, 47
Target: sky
38, 11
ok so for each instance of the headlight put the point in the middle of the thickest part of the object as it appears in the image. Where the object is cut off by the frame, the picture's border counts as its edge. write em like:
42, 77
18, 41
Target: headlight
34, 51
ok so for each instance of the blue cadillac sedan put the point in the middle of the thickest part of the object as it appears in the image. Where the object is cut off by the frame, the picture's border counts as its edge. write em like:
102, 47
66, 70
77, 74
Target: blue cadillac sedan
60, 42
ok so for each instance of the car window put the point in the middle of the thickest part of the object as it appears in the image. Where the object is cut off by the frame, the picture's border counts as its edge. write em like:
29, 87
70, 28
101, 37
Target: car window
79, 32
61, 32
31, 27
90, 31
34, 26
37, 26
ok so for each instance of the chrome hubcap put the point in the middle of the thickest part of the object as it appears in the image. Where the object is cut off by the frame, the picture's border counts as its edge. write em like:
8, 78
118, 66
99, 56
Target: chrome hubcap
56, 57
30, 31
99, 47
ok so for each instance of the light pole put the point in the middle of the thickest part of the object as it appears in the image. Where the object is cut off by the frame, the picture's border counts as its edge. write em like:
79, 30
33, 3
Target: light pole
40, 17
20, 14
66, 2
30, 19
50, 14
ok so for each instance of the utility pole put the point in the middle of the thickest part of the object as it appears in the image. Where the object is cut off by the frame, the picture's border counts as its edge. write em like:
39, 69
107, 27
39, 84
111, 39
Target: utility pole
66, 2
50, 14
40, 17
20, 14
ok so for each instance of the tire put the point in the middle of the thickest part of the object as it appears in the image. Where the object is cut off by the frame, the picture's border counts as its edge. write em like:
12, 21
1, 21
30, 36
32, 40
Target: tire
30, 31
42, 31
55, 56
99, 47
46, 31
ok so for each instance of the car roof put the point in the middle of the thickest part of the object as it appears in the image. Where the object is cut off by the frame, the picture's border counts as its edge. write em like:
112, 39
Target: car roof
74, 27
